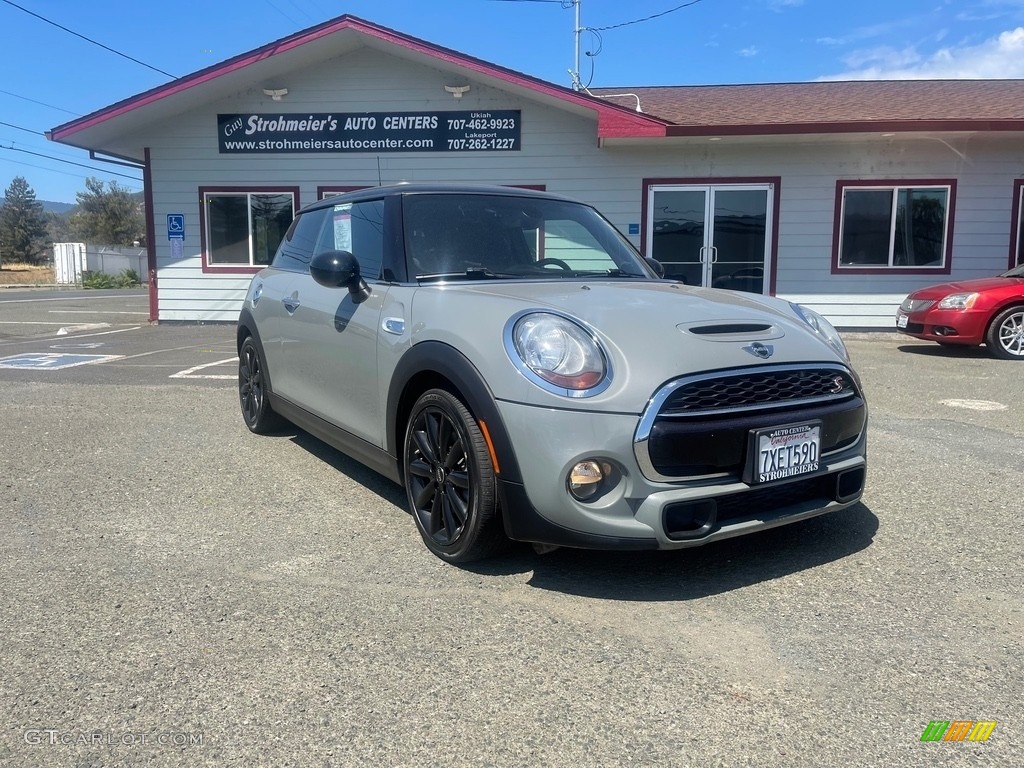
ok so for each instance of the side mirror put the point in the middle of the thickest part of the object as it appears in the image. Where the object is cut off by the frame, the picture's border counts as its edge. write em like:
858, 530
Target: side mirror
339, 269
656, 265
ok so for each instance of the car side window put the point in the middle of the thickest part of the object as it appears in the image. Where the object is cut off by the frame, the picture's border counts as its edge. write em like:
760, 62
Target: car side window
296, 248
359, 229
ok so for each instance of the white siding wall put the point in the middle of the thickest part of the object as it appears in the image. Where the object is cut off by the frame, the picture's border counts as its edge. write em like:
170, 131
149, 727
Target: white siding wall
561, 151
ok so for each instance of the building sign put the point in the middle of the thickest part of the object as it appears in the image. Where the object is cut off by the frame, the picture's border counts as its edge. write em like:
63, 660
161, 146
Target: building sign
477, 131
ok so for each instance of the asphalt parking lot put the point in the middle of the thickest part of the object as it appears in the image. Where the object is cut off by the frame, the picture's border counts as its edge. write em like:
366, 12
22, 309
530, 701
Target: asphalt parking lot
177, 591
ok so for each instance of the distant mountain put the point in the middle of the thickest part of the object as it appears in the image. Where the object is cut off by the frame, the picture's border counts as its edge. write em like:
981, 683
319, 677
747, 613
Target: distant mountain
50, 205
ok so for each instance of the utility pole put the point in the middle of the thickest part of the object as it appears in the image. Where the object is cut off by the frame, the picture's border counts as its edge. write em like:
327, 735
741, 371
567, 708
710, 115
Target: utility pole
577, 31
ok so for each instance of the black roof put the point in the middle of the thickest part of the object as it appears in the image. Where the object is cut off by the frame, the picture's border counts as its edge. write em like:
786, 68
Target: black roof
376, 193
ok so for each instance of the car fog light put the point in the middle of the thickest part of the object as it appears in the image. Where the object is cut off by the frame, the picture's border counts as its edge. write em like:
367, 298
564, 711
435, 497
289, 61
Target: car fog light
584, 479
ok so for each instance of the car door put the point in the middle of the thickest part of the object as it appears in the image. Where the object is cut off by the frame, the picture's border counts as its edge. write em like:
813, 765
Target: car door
278, 288
331, 348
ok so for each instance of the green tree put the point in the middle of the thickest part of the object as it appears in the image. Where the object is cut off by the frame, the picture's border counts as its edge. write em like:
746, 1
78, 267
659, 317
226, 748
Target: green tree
22, 224
107, 215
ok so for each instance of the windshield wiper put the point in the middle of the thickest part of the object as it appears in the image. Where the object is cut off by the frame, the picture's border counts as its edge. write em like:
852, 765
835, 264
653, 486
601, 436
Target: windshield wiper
473, 273
605, 273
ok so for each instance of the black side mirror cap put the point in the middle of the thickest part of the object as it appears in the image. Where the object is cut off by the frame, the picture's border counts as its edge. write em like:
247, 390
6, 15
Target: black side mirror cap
339, 269
656, 265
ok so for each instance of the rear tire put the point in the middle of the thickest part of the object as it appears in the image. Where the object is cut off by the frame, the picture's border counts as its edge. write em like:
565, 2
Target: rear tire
449, 480
259, 417
1005, 337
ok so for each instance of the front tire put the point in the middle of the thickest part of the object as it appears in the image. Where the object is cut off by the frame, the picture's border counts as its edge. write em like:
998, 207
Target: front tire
449, 480
252, 390
1005, 336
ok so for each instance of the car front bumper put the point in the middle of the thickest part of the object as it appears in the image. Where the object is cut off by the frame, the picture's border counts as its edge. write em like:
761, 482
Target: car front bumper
635, 512
951, 326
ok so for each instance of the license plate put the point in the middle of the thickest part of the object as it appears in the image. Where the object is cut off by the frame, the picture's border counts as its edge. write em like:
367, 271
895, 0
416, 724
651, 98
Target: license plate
901, 320
778, 453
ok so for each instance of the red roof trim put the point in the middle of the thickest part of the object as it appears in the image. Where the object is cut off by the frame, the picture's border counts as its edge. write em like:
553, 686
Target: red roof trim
613, 120
879, 126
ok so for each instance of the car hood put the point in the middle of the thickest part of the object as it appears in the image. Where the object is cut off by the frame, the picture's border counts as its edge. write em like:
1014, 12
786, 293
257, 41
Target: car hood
977, 285
652, 331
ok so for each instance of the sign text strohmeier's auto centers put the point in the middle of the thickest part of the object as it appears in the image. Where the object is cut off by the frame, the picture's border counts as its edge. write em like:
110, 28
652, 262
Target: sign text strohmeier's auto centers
497, 130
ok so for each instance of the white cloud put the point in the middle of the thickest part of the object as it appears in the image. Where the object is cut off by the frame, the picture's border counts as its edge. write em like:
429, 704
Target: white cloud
748, 52
781, 5
997, 57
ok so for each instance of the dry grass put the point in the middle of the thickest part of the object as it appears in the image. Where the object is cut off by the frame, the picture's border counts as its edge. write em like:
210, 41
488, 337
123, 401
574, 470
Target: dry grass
26, 274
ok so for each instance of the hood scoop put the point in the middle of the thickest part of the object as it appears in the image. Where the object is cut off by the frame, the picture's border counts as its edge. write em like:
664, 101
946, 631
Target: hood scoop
732, 330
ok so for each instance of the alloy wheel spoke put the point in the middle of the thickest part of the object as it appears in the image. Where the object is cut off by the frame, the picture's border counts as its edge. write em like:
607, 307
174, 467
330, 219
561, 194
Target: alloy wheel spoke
426, 450
457, 505
459, 478
420, 468
423, 496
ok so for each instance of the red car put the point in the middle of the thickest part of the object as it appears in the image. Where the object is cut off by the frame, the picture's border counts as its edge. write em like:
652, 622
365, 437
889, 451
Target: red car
989, 310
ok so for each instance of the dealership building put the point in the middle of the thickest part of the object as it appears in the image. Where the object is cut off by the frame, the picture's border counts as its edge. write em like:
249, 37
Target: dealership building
844, 196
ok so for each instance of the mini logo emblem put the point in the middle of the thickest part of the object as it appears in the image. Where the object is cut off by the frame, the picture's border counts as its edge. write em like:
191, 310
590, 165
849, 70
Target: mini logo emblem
838, 385
757, 349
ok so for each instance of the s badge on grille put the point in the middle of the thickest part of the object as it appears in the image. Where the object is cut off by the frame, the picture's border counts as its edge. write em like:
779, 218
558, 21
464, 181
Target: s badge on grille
838, 385
757, 349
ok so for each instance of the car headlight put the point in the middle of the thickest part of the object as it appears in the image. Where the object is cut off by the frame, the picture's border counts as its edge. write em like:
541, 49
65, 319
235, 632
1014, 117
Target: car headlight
823, 328
958, 301
558, 354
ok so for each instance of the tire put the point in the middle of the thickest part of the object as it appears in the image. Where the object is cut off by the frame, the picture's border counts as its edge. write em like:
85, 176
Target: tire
449, 480
1005, 337
259, 417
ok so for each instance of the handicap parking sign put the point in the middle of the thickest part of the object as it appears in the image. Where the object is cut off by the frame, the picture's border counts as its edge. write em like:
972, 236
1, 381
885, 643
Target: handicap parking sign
175, 226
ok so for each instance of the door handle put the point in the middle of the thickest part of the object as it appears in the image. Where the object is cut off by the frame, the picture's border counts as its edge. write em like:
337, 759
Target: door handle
714, 254
703, 250
291, 303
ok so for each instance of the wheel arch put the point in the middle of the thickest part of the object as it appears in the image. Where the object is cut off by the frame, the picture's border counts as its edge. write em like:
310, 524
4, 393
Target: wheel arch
434, 364
1016, 301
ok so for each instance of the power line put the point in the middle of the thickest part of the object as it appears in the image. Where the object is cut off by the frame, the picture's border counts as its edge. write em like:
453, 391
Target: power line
49, 170
40, 103
88, 39
638, 21
71, 162
26, 130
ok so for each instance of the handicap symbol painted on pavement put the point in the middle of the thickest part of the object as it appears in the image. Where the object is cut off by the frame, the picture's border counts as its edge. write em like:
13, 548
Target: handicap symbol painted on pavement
52, 361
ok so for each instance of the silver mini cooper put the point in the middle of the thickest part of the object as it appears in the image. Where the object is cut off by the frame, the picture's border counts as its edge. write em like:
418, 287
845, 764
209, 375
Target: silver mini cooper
509, 358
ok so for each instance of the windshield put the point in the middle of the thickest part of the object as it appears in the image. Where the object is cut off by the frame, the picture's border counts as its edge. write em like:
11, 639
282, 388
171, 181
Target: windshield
1015, 272
493, 236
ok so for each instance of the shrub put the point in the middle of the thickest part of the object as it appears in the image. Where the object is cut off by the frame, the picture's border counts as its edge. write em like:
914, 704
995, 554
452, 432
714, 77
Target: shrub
127, 278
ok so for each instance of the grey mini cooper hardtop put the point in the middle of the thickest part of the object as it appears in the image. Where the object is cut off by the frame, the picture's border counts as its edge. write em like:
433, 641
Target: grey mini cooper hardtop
510, 359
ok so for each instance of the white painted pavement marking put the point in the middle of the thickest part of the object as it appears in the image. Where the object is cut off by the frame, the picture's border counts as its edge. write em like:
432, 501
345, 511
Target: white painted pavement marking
51, 361
57, 337
92, 312
190, 373
974, 405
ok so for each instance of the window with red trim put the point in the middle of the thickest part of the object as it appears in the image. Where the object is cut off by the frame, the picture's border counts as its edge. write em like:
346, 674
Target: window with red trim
899, 226
1017, 243
242, 228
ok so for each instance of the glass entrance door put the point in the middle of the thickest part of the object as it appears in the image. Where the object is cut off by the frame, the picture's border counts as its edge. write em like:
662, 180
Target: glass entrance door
712, 235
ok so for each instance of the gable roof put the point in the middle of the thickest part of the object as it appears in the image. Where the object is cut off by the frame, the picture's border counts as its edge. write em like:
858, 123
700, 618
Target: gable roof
832, 107
318, 43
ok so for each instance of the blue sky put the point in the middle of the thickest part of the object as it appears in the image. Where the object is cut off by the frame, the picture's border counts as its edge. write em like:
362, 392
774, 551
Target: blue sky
708, 42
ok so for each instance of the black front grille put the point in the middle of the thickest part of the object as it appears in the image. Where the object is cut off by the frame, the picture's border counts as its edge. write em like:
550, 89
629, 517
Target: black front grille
758, 388
701, 426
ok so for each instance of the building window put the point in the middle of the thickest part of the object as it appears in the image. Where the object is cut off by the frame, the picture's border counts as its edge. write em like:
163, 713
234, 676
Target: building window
243, 227
894, 227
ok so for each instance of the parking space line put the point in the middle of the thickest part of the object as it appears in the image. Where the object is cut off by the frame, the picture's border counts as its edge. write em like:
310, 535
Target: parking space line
190, 373
60, 337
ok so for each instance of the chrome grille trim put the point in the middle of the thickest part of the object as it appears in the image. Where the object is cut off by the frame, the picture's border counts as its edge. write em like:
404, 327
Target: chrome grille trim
652, 411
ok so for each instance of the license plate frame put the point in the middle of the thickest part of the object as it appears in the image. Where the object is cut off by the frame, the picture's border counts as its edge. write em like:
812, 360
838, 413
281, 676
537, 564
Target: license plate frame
783, 452
902, 320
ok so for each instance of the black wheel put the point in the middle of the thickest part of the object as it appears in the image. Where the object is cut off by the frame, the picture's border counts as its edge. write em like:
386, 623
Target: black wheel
252, 390
555, 262
449, 479
1005, 337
